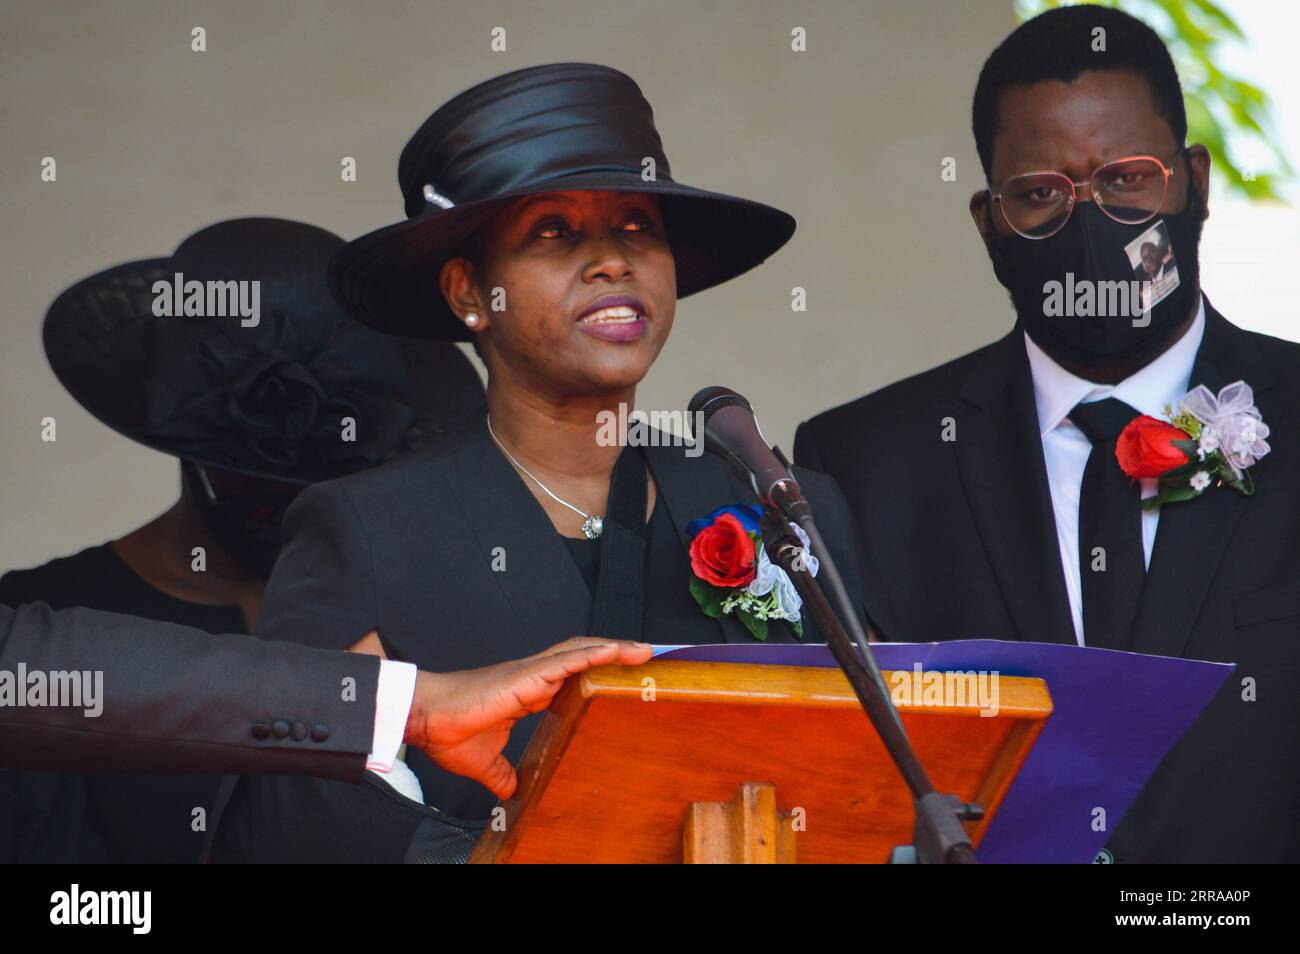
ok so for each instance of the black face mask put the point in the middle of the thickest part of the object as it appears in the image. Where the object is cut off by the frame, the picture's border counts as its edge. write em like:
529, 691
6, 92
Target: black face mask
1095, 248
248, 530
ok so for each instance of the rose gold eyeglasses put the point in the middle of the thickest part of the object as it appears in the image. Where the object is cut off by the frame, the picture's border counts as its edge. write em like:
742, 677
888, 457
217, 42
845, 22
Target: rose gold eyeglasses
1038, 204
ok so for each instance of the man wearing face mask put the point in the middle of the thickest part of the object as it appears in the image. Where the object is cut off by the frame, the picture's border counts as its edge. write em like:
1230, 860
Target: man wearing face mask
1001, 494
256, 380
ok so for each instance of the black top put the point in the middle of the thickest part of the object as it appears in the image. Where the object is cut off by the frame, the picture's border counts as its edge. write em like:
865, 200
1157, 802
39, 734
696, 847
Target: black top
61, 817
586, 553
451, 558
586, 557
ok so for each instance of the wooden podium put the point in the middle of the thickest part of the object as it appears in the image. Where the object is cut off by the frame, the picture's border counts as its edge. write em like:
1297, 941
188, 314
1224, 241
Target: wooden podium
687, 761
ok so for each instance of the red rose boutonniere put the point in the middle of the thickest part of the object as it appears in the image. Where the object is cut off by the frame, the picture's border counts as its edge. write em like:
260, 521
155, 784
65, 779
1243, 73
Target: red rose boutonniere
732, 574
1148, 447
722, 554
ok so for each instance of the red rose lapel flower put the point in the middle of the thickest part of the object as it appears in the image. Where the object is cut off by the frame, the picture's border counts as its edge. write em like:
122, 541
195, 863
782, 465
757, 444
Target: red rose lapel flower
1146, 447
723, 553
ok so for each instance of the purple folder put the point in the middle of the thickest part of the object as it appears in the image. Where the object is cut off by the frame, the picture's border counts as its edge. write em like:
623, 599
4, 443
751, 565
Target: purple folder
1115, 716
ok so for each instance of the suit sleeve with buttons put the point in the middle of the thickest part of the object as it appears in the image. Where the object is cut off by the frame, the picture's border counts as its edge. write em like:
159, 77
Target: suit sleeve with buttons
323, 591
178, 700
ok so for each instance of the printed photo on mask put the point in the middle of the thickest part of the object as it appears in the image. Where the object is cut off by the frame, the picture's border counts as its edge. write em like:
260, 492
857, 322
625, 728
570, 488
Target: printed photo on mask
1152, 256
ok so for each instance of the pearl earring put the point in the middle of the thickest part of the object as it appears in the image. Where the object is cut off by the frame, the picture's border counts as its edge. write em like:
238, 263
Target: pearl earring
471, 320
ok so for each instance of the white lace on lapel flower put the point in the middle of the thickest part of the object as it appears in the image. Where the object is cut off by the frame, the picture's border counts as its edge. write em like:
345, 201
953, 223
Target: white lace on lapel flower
771, 577
1229, 422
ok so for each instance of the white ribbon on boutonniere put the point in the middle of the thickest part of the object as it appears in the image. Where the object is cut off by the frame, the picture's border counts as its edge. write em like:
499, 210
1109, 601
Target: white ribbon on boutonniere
769, 577
1230, 423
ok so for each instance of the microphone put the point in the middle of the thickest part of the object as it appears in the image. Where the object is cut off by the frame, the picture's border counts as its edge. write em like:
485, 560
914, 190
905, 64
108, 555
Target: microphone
731, 431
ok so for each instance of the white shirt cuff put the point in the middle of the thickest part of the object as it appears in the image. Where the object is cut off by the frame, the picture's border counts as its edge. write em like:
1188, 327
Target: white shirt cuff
392, 706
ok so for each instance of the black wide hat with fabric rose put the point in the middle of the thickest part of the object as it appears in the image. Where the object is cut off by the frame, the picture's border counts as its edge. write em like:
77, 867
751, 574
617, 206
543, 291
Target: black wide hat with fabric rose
269, 397
561, 127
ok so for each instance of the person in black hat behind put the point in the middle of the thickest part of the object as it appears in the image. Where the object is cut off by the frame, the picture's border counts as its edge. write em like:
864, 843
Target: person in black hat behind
544, 224
231, 355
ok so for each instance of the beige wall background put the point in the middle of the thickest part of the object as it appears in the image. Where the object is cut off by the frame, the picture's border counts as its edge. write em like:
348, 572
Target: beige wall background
154, 141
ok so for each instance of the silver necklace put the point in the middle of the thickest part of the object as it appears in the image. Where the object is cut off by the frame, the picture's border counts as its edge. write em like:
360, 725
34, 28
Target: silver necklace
591, 526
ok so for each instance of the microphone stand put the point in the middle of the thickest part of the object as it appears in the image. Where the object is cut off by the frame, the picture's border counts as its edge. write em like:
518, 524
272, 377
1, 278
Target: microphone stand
937, 835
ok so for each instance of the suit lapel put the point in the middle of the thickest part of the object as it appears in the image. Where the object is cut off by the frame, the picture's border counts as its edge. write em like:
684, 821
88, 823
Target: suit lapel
541, 584
1000, 456
691, 489
1192, 535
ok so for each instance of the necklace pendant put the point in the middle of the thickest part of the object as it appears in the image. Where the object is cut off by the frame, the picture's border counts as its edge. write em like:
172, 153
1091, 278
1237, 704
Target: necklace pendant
592, 527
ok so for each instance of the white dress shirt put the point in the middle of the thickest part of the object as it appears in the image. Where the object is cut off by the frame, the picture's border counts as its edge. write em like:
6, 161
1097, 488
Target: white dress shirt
1066, 448
393, 699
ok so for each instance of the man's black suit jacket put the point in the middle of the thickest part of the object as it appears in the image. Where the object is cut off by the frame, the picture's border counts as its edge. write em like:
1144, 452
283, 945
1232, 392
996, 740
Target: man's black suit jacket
963, 533
450, 557
177, 699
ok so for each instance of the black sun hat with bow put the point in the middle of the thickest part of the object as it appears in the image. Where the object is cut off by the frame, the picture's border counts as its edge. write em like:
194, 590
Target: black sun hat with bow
560, 127
269, 396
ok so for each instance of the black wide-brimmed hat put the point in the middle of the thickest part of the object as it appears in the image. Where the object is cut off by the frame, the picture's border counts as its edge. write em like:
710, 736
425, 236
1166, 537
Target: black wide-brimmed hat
561, 127
267, 398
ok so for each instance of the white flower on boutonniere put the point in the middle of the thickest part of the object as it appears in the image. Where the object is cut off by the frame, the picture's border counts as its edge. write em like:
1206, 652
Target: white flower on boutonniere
1230, 422
1208, 444
769, 577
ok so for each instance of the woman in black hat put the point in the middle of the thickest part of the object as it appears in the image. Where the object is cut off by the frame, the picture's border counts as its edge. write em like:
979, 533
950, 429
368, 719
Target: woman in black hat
544, 225
252, 385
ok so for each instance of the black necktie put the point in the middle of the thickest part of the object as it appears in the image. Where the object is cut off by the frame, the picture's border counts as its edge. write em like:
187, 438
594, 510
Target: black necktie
1111, 564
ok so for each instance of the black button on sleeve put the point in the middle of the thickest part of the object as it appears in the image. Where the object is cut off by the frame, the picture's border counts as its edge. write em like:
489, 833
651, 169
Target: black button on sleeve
280, 728
261, 730
298, 732
320, 732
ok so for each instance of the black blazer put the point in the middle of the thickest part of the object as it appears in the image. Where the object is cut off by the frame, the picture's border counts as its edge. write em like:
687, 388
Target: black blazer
179, 700
970, 520
408, 549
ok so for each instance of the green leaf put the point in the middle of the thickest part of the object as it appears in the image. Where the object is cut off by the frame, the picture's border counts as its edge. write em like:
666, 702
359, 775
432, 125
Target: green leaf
708, 596
1186, 30
1221, 19
1194, 463
1185, 471
1170, 494
1222, 469
756, 627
